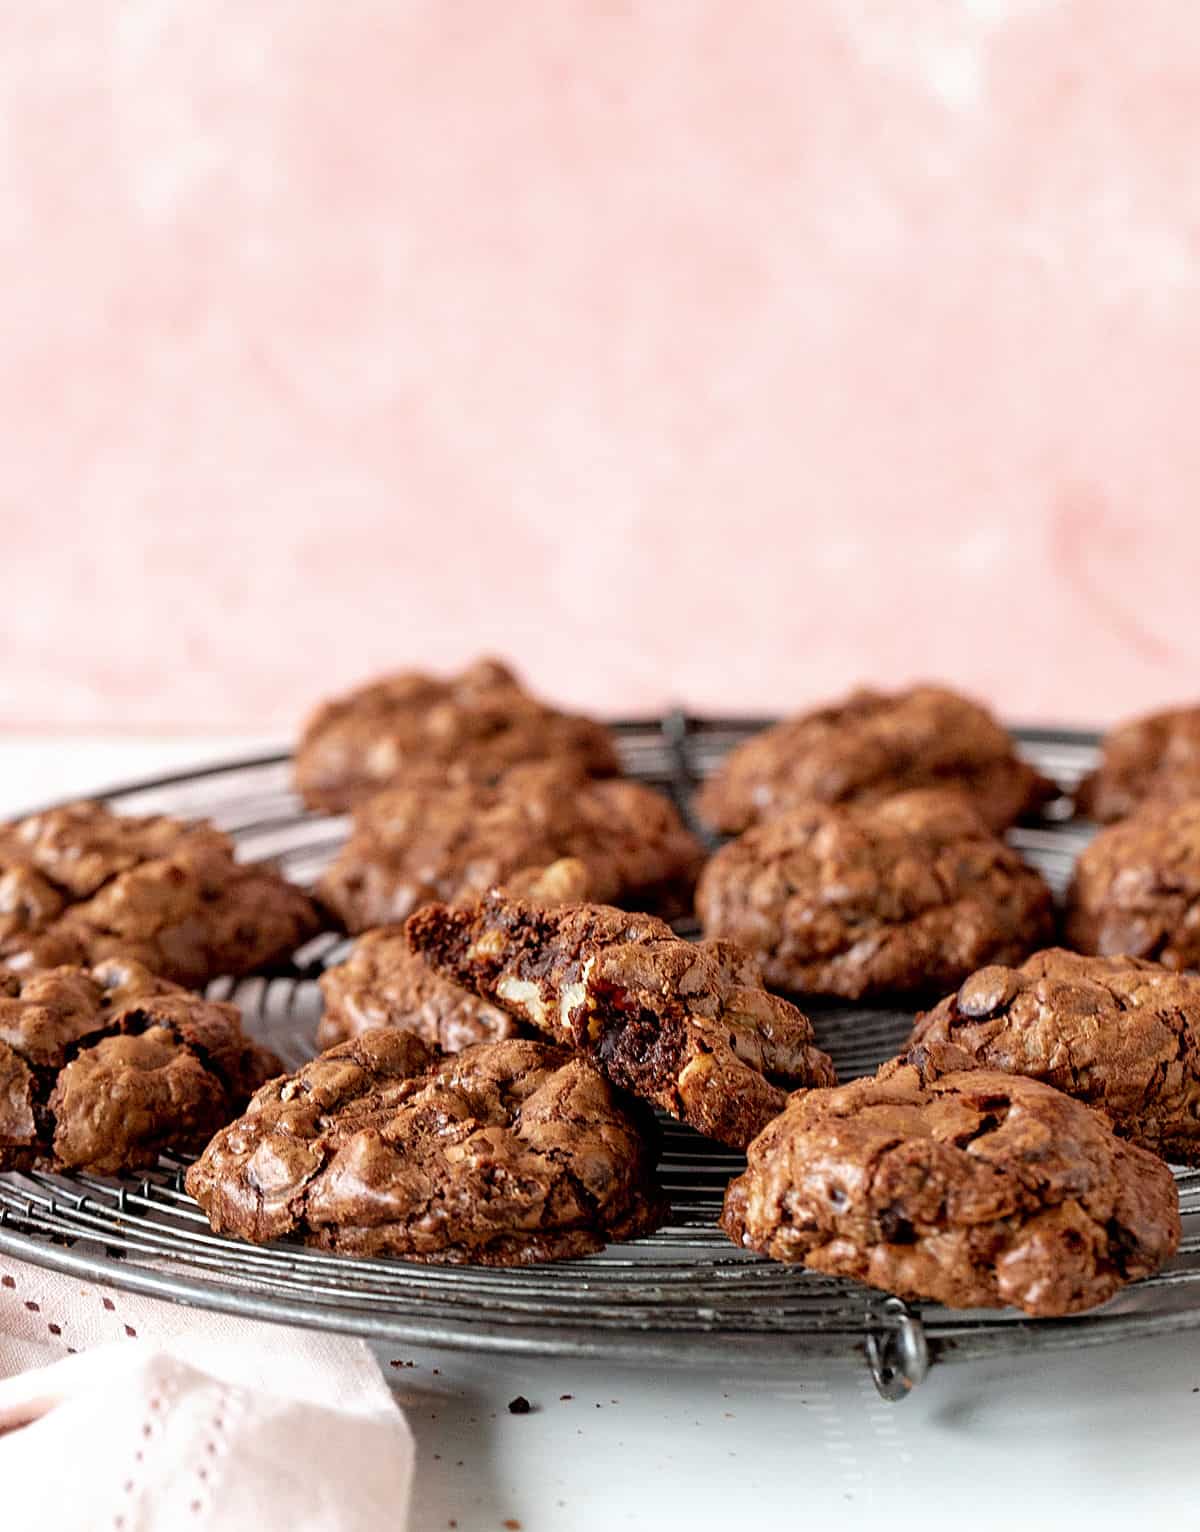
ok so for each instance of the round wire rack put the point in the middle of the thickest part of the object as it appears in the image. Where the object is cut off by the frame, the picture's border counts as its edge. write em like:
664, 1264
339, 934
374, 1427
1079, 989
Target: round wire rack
684, 1295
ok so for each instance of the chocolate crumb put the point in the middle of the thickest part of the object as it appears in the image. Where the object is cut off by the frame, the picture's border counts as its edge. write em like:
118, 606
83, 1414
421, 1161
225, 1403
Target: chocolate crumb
513, 1524
519, 1406
571, 1396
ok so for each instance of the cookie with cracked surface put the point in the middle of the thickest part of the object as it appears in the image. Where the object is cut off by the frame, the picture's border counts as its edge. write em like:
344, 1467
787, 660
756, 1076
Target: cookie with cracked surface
1119, 1033
416, 845
1135, 889
104, 1069
905, 895
1155, 759
411, 726
868, 747
976, 1189
383, 984
685, 1026
505, 1154
80, 884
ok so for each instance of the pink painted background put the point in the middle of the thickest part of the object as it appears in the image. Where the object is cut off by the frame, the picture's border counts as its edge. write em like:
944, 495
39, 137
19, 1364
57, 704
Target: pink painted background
723, 352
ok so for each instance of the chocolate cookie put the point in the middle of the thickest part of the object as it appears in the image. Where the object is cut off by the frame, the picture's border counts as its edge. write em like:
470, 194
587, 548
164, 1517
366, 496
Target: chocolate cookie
104, 1069
506, 1154
1155, 759
383, 984
1136, 888
418, 844
976, 1189
1118, 1033
415, 727
870, 746
858, 899
79, 884
687, 1027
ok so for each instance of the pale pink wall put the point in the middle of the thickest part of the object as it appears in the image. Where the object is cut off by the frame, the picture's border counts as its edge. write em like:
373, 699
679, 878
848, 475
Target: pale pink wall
720, 351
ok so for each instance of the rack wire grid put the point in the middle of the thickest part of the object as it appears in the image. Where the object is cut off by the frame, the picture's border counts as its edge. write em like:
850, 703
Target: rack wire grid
684, 1295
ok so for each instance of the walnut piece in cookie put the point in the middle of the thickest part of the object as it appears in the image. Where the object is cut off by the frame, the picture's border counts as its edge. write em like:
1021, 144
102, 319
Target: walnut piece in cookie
1155, 759
1119, 1033
415, 845
104, 1069
685, 1026
974, 1188
412, 727
80, 884
1136, 888
906, 895
383, 984
506, 1154
868, 747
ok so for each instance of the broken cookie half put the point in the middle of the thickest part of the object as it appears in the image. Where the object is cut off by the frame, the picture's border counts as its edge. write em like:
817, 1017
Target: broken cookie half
686, 1026
383, 984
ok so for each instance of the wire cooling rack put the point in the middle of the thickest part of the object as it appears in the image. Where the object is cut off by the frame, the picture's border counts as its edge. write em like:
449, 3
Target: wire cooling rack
684, 1295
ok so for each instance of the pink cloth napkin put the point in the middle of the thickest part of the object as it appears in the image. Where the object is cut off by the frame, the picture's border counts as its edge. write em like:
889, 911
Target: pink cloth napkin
128, 1414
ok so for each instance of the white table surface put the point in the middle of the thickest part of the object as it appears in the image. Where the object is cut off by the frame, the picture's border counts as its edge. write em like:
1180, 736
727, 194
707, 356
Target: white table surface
1104, 1436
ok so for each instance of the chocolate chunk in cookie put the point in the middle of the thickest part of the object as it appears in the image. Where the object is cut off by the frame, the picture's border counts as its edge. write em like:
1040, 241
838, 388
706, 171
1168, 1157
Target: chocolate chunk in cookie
909, 894
1119, 1033
79, 884
1155, 759
413, 727
975, 1189
416, 845
383, 984
1136, 888
687, 1027
508, 1153
104, 1069
870, 746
